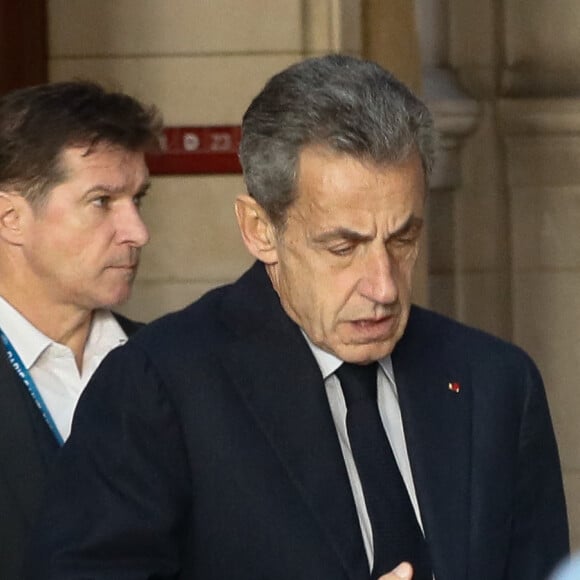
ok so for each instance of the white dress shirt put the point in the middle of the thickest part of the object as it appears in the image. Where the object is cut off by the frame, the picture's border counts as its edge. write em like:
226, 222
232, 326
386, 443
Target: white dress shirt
52, 365
390, 413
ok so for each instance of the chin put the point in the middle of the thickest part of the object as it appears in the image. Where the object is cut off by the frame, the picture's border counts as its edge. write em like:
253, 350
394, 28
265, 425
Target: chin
364, 353
116, 298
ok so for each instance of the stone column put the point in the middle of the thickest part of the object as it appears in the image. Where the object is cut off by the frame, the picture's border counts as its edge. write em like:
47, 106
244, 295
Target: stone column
456, 116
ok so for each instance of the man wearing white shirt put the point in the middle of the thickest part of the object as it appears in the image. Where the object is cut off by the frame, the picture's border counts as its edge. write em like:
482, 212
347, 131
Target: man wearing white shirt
72, 177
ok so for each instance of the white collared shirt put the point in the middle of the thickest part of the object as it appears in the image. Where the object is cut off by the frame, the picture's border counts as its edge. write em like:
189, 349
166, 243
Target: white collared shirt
52, 365
390, 413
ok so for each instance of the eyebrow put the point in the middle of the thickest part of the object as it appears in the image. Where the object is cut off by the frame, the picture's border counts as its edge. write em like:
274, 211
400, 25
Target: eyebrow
348, 234
117, 190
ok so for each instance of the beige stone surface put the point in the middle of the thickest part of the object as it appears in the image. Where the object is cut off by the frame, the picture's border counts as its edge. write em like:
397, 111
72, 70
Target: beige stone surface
482, 239
484, 302
198, 90
546, 312
572, 489
390, 38
443, 293
469, 236
471, 32
544, 117
543, 160
173, 27
332, 25
442, 231
538, 35
194, 233
478, 299
481, 212
545, 232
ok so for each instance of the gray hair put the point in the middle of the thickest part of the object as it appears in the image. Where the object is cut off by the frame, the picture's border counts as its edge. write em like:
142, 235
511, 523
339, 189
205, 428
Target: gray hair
344, 103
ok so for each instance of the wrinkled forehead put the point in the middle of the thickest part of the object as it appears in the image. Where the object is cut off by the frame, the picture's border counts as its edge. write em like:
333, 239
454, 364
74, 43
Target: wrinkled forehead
338, 187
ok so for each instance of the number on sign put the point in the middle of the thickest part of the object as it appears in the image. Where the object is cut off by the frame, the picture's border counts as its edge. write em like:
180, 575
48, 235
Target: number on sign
220, 142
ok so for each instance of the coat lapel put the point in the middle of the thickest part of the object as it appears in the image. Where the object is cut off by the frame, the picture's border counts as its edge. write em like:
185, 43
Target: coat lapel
437, 423
280, 381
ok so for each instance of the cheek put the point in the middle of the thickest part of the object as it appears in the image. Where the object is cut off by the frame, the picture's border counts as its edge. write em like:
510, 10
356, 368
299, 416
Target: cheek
407, 277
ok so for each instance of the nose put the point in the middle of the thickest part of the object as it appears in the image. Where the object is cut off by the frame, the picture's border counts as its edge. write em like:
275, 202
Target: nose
131, 228
378, 281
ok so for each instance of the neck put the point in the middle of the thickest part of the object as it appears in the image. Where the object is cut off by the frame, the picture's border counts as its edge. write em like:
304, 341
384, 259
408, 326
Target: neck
63, 323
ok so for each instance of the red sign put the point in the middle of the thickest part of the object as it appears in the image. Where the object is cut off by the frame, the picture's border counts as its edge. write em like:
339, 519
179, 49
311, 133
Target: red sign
195, 150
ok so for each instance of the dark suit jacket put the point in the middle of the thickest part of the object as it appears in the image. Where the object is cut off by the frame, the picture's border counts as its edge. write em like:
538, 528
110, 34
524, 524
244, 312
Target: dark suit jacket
205, 449
27, 450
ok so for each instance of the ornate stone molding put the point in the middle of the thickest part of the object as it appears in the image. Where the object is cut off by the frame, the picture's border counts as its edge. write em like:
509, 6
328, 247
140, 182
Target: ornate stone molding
551, 116
455, 116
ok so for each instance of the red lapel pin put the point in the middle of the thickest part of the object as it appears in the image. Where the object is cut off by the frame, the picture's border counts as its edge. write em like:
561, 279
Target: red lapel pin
455, 387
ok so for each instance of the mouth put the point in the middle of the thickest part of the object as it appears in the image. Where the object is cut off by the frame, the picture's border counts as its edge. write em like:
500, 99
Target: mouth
126, 270
375, 329
131, 265
128, 261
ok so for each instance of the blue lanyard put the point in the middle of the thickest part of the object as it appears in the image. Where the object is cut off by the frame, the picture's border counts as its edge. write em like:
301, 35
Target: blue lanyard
23, 373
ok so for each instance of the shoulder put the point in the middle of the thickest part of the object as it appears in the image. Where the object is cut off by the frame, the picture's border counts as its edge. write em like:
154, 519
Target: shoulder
437, 332
232, 312
501, 374
197, 325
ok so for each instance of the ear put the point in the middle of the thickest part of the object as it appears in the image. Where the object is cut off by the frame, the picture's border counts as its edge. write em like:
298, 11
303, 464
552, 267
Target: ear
258, 232
11, 208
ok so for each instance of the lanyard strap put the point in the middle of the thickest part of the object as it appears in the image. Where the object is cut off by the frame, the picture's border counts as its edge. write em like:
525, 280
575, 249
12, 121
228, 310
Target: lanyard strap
21, 370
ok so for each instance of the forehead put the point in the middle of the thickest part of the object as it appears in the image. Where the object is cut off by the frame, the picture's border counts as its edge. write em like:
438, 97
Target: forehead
89, 155
102, 161
328, 181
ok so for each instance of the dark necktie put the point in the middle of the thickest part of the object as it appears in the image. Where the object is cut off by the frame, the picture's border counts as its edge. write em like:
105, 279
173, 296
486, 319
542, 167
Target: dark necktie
396, 532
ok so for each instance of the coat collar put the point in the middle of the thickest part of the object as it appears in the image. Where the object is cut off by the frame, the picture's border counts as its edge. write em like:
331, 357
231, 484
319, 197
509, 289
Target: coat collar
282, 385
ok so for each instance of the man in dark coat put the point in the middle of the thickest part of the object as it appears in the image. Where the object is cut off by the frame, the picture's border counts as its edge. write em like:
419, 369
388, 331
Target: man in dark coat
72, 175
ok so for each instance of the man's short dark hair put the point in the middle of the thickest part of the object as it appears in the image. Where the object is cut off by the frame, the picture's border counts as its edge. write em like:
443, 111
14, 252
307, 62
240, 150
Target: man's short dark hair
344, 103
38, 123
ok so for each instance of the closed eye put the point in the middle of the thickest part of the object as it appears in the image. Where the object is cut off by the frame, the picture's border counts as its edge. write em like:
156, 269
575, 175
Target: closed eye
342, 250
405, 240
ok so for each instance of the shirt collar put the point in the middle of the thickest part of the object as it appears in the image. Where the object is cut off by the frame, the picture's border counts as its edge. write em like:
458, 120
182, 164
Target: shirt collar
26, 339
106, 333
329, 363
30, 343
